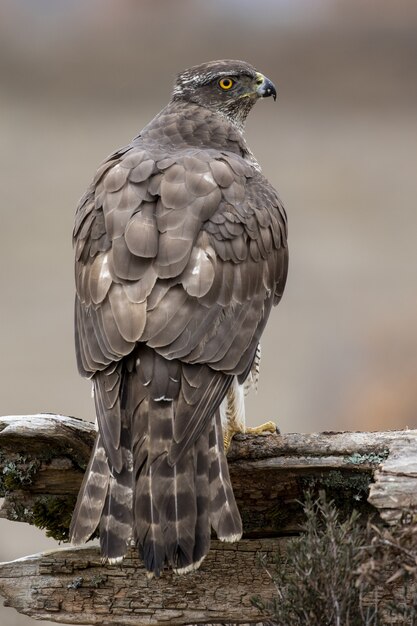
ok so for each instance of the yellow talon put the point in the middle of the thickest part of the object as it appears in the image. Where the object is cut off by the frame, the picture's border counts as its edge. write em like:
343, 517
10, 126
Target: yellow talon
268, 427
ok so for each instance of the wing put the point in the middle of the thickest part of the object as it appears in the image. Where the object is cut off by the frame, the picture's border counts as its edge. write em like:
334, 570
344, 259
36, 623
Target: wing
187, 254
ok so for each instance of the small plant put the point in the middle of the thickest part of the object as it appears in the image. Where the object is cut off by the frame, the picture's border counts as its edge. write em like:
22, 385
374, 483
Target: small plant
344, 573
388, 563
314, 579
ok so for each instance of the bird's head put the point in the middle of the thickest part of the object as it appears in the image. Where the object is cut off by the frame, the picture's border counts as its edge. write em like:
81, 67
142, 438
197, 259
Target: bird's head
228, 87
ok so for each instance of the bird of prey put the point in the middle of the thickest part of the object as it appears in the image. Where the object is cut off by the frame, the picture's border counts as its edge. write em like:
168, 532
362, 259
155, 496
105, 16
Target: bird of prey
181, 252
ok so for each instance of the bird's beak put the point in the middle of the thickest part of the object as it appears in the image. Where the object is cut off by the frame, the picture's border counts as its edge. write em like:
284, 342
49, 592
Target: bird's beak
265, 87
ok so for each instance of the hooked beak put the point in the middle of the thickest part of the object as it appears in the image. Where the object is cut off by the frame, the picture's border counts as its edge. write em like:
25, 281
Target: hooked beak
266, 87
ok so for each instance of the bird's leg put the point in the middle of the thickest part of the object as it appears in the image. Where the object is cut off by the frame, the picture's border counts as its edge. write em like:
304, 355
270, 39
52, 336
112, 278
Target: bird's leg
232, 412
232, 409
233, 417
228, 436
252, 383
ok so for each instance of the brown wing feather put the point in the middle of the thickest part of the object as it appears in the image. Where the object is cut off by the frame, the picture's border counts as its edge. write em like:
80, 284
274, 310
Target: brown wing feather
215, 226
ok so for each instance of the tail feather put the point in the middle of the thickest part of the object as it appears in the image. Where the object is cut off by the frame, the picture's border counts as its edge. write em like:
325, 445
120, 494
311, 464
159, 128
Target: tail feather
91, 496
117, 517
202, 492
148, 530
146, 458
224, 514
180, 512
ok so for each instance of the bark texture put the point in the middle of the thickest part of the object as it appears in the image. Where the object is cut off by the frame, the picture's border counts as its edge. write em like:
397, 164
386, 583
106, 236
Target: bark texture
72, 586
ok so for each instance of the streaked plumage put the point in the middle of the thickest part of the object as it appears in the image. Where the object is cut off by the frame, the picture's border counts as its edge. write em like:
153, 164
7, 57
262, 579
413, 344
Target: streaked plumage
181, 252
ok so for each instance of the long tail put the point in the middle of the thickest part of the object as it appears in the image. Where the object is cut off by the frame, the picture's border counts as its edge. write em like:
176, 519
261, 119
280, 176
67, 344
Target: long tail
167, 507
106, 494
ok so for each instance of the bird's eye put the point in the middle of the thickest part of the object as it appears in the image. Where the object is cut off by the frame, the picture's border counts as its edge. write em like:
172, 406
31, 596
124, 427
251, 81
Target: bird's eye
226, 83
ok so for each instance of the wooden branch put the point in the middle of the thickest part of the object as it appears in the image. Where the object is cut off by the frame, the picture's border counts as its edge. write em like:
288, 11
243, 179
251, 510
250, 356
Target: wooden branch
42, 459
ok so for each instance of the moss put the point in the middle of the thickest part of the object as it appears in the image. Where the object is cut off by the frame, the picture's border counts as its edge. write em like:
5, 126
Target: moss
273, 518
18, 512
281, 513
53, 514
98, 580
372, 458
347, 490
76, 583
18, 473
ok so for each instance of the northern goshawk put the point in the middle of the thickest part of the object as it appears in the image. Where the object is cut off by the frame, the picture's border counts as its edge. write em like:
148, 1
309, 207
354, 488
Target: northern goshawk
181, 252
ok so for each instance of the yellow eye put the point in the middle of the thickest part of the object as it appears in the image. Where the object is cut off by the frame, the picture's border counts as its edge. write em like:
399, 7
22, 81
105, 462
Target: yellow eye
226, 83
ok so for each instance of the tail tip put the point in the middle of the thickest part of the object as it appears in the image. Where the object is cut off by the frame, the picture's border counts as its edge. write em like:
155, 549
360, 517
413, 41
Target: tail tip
189, 568
233, 538
113, 560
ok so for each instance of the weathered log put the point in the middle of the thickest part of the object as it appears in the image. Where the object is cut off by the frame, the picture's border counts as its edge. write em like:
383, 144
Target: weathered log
72, 586
42, 459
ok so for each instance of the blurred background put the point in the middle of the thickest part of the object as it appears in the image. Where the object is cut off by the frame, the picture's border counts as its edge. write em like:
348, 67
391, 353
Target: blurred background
80, 78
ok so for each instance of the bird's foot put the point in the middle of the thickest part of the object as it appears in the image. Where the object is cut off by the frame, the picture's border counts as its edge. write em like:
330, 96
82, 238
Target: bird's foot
268, 427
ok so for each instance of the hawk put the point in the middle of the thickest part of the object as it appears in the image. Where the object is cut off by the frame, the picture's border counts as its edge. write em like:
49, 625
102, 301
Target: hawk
181, 252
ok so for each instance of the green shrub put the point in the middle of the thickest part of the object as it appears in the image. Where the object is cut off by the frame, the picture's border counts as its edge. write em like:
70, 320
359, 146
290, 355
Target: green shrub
342, 573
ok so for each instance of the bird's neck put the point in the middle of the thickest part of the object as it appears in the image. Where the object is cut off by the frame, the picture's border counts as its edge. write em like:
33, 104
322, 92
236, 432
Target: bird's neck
195, 126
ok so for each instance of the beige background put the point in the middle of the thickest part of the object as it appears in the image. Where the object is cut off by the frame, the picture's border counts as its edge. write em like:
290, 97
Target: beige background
80, 78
